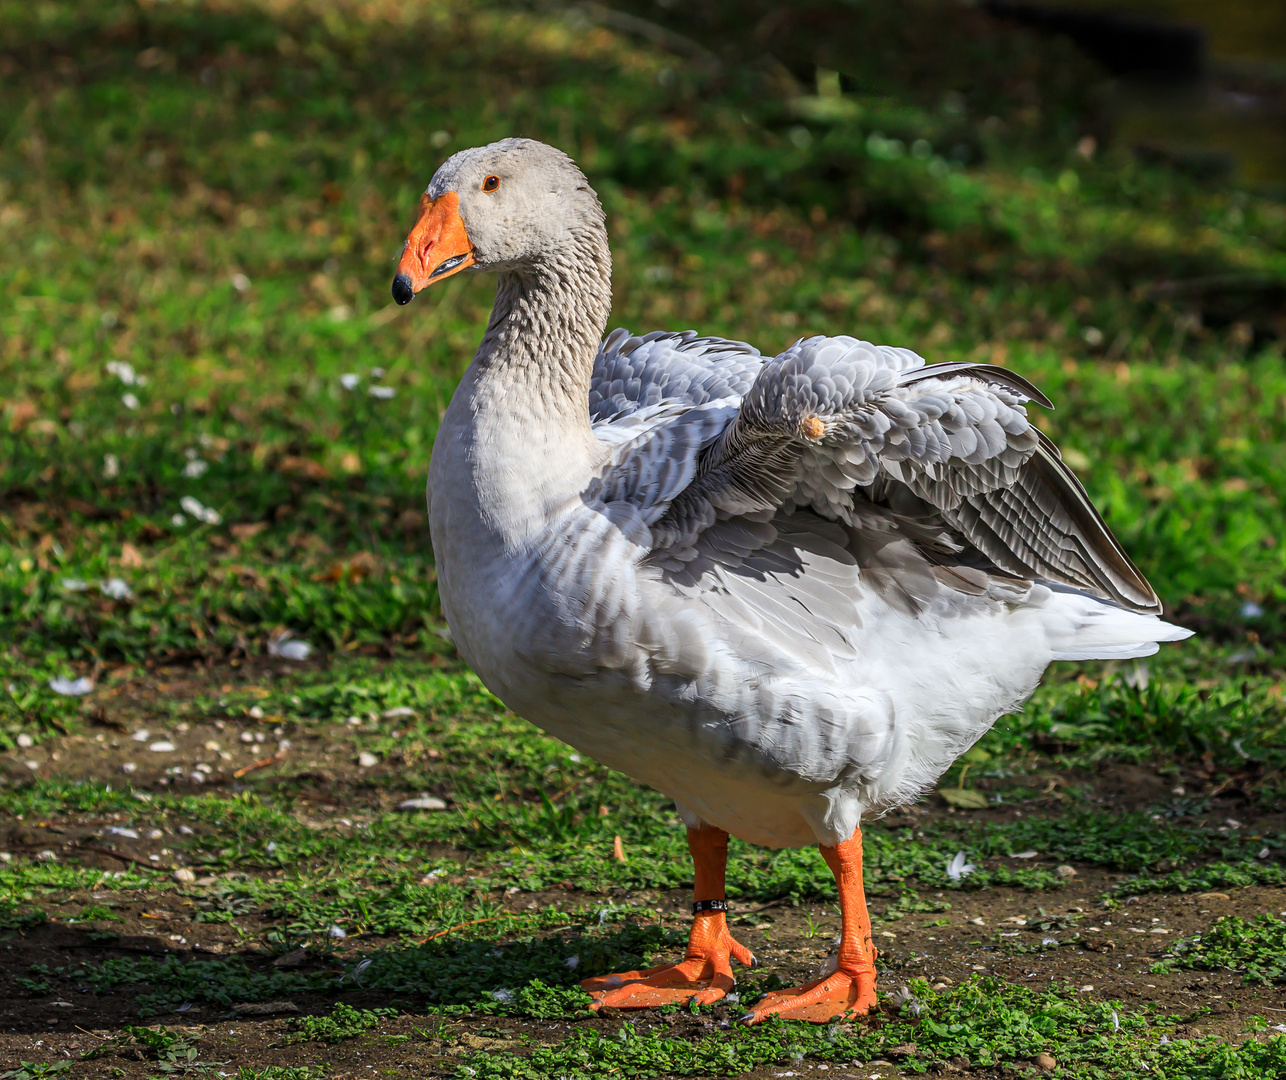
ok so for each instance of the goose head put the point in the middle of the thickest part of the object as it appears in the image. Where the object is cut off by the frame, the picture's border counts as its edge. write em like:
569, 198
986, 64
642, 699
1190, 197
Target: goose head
508, 206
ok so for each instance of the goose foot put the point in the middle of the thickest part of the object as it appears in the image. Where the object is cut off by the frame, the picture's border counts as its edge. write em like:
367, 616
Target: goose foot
702, 977
840, 995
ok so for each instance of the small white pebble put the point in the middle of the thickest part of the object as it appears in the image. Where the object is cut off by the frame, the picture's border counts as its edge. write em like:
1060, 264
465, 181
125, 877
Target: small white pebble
367, 760
128, 767
422, 802
25, 741
164, 746
184, 875
246, 737
141, 736
254, 712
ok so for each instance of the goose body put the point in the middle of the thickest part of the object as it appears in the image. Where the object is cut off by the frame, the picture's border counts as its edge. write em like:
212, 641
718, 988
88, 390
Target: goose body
785, 591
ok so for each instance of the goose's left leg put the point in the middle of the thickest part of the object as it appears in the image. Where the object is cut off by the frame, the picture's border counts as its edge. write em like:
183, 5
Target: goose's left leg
850, 989
704, 975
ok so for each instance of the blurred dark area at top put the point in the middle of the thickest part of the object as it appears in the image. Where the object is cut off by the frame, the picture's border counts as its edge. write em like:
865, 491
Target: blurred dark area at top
1192, 83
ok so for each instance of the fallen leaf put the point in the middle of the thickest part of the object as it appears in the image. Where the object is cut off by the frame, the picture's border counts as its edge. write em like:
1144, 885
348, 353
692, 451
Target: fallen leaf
964, 798
21, 413
248, 530
130, 555
301, 466
354, 568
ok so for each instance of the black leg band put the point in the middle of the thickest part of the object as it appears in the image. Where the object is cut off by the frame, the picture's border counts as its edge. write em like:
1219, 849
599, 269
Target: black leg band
709, 905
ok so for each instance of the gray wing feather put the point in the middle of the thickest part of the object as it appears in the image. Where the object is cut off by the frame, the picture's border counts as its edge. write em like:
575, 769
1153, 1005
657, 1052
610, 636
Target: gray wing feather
833, 423
635, 373
1042, 525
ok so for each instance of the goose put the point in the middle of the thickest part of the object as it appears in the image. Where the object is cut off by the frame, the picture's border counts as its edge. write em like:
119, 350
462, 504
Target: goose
787, 592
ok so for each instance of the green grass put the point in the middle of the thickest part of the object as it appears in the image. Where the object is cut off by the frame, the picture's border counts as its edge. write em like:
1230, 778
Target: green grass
344, 1022
165, 201
1255, 947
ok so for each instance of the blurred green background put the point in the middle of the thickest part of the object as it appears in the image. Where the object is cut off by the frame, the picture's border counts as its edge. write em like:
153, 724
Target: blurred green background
208, 395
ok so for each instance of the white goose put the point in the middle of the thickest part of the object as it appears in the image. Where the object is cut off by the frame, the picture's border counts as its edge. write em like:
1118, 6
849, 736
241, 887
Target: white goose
783, 591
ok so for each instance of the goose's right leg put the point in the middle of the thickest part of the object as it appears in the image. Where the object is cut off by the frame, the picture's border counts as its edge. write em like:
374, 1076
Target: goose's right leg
705, 973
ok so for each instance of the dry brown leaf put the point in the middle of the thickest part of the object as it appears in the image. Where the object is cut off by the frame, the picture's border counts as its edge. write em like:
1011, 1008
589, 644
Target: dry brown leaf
247, 530
354, 568
131, 556
21, 413
302, 466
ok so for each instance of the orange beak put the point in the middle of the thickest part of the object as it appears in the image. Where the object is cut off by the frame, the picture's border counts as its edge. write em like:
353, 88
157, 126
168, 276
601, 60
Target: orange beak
437, 247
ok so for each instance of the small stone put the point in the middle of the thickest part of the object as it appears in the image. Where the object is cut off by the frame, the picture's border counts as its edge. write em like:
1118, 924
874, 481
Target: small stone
128, 767
141, 736
291, 959
26, 741
164, 746
1066, 871
255, 712
184, 876
265, 1008
1045, 1061
212, 746
367, 760
246, 737
423, 802
32, 765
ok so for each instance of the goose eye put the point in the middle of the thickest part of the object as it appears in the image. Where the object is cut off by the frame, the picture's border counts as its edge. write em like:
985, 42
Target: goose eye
491, 183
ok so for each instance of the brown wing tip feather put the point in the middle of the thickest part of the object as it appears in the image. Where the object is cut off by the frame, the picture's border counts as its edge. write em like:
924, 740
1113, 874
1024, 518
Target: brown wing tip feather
1115, 571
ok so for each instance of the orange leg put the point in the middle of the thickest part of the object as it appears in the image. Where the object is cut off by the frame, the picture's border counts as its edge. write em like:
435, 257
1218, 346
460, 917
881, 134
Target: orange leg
850, 989
705, 973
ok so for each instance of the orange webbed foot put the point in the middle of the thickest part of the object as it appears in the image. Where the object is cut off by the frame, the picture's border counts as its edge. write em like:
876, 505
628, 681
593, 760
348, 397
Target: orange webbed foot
840, 995
702, 977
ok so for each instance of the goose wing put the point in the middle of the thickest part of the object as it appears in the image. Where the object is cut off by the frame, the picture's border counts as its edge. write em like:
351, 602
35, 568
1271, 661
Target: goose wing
844, 427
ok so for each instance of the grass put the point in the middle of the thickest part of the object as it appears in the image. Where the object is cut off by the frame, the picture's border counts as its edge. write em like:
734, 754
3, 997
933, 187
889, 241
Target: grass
200, 206
344, 1022
1256, 948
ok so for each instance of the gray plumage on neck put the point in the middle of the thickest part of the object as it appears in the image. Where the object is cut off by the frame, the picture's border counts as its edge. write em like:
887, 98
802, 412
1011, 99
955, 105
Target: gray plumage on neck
548, 320
542, 230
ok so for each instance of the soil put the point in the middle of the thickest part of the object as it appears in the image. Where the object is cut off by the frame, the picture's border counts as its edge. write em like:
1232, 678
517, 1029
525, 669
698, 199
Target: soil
1104, 953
